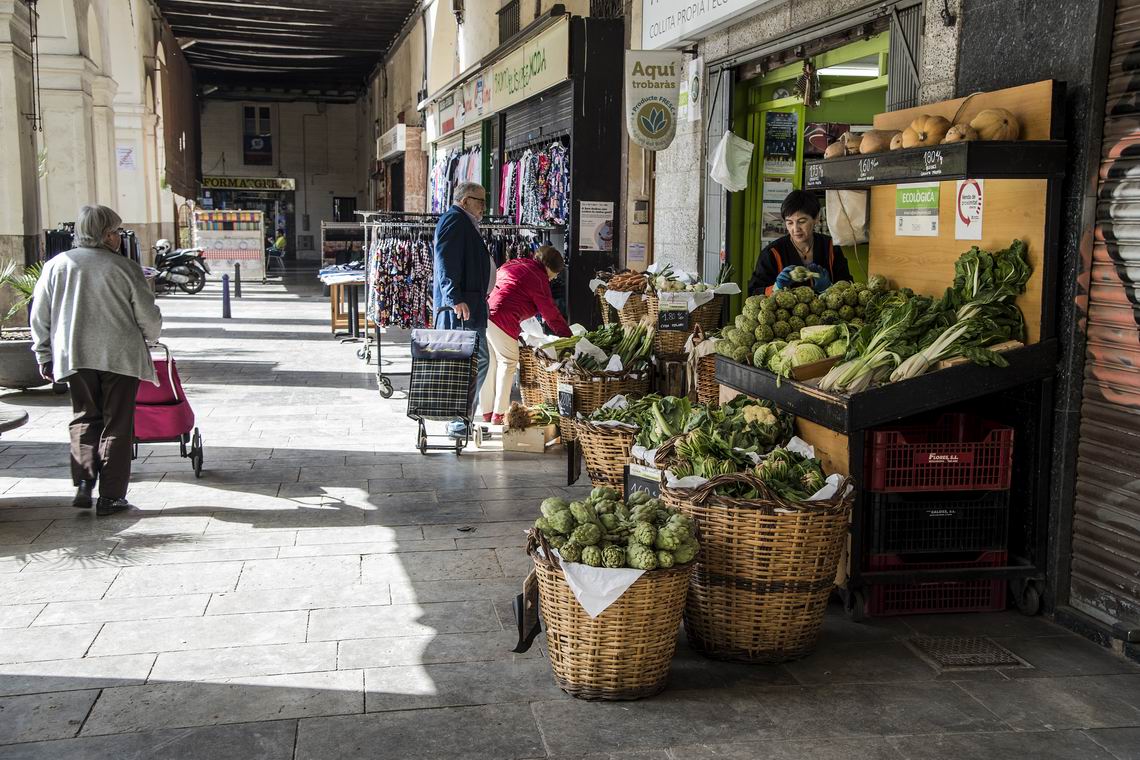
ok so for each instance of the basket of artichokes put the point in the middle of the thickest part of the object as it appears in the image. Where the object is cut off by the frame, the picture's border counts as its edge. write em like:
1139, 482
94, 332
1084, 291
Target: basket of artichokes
625, 651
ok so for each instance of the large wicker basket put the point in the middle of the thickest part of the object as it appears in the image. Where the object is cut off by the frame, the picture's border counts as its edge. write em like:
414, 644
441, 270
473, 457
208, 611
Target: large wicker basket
604, 305
766, 569
634, 310
672, 342
625, 652
606, 451
530, 381
594, 389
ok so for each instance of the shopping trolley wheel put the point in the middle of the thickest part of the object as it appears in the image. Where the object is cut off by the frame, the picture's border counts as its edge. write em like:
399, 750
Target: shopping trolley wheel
385, 386
856, 604
421, 439
197, 453
459, 448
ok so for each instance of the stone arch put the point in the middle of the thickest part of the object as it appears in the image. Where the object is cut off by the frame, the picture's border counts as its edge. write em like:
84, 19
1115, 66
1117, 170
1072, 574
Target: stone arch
94, 38
126, 56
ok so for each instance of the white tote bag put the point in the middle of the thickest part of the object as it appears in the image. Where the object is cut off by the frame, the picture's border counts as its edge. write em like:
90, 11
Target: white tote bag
847, 216
730, 161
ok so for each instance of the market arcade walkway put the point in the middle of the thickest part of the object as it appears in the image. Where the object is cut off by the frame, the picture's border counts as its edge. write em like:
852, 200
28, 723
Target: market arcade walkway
324, 591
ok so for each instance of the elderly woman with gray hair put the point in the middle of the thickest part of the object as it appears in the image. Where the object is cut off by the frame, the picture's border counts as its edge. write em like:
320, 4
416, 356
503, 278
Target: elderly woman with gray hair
93, 314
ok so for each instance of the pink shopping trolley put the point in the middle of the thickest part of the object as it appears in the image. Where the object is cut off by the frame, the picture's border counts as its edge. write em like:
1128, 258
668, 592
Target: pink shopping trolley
163, 413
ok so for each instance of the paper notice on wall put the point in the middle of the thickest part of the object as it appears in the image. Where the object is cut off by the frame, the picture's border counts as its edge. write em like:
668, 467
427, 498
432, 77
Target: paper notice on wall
771, 222
968, 209
781, 135
125, 155
595, 226
916, 210
635, 253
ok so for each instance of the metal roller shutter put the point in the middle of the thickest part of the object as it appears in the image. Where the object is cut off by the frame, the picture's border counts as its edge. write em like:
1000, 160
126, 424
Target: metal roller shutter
473, 135
540, 119
1106, 523
905, 57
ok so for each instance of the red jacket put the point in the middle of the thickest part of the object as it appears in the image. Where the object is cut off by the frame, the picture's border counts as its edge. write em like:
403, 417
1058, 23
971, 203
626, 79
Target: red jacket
522, 290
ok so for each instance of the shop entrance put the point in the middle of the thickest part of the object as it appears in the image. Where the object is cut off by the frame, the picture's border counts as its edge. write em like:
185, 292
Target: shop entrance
277, 206
770, 112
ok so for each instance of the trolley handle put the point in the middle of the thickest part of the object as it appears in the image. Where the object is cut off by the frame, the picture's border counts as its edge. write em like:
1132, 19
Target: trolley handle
442, 309
169, 365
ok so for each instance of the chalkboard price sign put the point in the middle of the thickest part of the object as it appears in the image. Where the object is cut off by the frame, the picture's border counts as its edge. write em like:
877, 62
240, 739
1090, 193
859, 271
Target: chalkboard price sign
673, 312
565, 400
639, 478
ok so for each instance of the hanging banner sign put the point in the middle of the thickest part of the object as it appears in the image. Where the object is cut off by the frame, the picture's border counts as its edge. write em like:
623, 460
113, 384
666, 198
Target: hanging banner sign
652, 91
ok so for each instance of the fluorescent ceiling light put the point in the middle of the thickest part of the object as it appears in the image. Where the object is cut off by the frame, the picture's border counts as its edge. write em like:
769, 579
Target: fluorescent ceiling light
849, 71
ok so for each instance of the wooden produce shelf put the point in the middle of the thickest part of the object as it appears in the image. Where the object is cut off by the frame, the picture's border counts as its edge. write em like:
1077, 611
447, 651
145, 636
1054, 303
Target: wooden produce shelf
892, 401
1018, 159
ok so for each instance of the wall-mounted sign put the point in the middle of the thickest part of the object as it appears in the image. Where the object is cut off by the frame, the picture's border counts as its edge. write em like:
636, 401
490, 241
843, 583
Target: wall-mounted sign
968, 209
249, 183
257, 150
596, 225
535, 66
916, 209
667, 23
125, 155
652, 92
393, 142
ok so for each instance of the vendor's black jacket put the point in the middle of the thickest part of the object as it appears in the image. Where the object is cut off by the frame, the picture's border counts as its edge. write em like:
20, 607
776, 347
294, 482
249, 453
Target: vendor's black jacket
782, 253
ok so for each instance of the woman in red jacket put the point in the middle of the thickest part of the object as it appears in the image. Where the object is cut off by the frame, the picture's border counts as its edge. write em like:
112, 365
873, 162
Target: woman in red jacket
522, 290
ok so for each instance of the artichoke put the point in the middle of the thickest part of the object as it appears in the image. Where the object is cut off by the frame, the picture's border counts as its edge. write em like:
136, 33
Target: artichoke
876, 283
609, 522
684, 522
785, 299
768, 317
781, 329
817, 307
586, 535
584, 512
804, 294
764, 333
644, 533
613, 556
834, 299
811, 320
645, 512
571, 552
802, 310
605, 494
637, 497
783, 315
846, 312
686, 552
664, 559
795, 324
552, 505
543, 525
641, 557
670, 537
767, 305
622, 511
829, 317
556, 541
592, 556
850, 296
745, 323
561, 522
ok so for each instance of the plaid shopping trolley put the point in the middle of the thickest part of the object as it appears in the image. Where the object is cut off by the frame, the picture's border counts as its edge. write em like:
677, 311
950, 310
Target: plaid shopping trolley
442, 384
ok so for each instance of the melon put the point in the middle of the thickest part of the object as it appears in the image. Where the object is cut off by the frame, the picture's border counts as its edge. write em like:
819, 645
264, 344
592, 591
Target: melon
996, 124
960, 133
877, 140
925, 131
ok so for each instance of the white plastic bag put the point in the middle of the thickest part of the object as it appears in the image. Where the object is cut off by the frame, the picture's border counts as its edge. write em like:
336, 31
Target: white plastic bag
730, 161
847, 216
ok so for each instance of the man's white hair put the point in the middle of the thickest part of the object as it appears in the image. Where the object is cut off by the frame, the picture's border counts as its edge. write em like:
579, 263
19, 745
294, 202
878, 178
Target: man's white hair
93, 224
465, 189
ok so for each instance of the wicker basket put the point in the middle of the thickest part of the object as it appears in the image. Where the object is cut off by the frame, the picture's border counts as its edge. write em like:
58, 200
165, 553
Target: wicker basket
594, 389
606, 451
634, 310
672, 342
766, 570
625, 652
604, 305
704, 383
530, 382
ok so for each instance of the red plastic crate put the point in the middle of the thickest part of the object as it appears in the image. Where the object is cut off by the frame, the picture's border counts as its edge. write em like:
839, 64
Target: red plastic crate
936, 596
958, 453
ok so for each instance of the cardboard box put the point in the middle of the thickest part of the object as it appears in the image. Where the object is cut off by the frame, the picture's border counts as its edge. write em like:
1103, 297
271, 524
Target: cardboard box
533, 439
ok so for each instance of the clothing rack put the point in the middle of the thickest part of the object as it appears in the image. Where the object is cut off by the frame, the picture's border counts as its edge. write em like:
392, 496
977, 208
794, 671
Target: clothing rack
380, 224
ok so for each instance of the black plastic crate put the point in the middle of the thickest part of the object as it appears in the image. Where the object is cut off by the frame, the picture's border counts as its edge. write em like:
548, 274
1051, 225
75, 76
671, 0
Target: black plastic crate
939, 521
932, 596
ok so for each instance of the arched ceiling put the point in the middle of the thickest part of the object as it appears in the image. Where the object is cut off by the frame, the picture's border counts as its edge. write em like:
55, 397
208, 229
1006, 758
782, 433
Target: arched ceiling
302, 48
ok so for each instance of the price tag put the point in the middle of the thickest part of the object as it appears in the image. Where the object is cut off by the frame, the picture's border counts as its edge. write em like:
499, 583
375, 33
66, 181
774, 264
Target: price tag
673, 312
565, 400
640, 478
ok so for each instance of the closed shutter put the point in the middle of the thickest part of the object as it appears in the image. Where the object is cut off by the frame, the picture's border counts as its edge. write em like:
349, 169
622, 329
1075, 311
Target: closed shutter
905, 57
473, 135
449, 144
539, 119
1105, 580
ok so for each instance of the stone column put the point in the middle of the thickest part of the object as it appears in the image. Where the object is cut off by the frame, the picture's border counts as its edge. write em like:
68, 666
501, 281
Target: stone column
415, 172
68, 139
103, 141
19, 210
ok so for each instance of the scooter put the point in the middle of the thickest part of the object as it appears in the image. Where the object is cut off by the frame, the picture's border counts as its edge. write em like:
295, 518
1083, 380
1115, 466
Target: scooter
183, 268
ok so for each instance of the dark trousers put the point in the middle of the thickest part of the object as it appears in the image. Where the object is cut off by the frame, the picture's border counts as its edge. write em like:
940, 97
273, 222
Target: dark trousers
102, 430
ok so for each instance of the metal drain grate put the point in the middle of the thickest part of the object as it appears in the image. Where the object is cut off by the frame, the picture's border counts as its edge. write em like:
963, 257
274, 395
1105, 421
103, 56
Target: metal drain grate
963, 652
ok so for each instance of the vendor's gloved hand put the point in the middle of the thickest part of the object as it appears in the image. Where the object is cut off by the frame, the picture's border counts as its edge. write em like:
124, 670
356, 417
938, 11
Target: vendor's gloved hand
784, 280
823, 282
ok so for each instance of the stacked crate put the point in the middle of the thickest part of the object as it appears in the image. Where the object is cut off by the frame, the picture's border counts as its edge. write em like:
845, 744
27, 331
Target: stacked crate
939, 499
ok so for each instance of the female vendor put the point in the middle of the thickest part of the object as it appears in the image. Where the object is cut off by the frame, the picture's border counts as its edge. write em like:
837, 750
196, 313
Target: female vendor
802, 246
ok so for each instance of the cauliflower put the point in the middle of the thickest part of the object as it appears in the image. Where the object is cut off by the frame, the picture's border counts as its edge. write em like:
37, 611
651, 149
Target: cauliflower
759, 414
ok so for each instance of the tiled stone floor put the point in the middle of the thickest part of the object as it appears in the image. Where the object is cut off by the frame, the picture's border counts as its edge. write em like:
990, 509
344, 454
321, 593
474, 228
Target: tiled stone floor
313, 597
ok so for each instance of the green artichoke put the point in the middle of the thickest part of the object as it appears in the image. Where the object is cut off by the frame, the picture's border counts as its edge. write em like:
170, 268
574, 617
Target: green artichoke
745, 323
571, 552
846, 312
767, 304
609, 522
544, 525
804, 294
664, 559
764, 333
613, 556
686, 552
802, 310
811, 320
670, 537
553, 505
641, 557
584, 512
644, 533
817, 306
781, 329
637, 497
556, 541
622, 511
592, 556
783, 315
562, 522
586, 535
603, 493
785, 299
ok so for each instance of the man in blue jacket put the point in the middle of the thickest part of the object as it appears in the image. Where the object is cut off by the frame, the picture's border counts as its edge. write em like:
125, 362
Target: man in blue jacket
464, 275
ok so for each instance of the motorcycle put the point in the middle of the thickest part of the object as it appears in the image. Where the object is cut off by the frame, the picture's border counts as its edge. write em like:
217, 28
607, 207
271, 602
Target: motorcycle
184, 268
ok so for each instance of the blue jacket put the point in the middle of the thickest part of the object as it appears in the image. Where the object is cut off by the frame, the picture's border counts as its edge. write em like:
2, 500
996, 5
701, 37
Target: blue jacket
462, 269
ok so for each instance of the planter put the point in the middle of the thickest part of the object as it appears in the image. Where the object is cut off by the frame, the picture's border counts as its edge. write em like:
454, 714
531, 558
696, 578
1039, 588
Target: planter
18, 368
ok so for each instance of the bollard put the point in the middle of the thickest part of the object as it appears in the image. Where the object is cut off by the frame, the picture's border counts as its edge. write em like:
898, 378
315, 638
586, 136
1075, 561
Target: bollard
237, 280
226, 296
